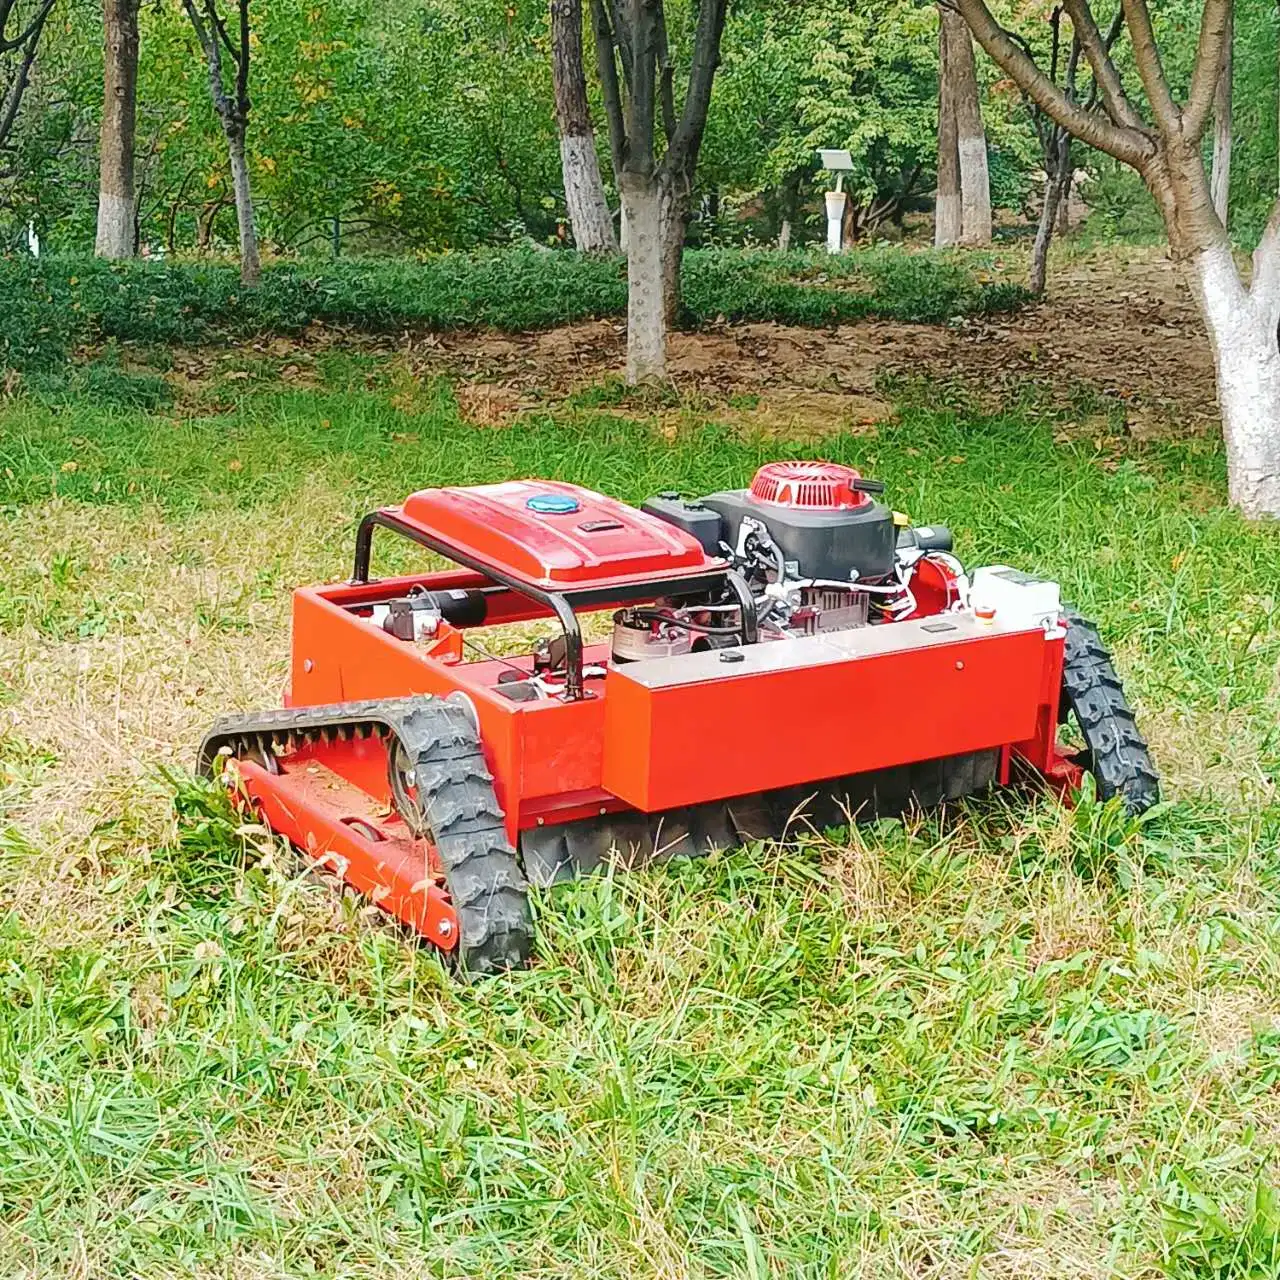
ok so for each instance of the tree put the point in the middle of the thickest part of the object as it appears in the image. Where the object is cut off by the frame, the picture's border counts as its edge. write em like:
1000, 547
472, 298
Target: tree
20, 32
637, 80
1165, 148
233, 111
870, 85
1055, 141
948, 215
966, 176
584, 195
117, 228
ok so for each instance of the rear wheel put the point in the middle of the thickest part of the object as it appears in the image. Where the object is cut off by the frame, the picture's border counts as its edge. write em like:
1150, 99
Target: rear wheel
1113, 751
444, 793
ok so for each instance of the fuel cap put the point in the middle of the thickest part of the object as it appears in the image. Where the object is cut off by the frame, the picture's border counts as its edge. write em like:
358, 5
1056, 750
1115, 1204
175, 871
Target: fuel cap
553, 504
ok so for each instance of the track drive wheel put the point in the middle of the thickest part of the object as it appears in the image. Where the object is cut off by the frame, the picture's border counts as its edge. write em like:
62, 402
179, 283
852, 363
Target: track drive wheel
445, 793
1114, 751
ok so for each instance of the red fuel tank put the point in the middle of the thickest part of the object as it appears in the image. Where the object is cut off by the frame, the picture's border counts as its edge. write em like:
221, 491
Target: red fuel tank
556, 536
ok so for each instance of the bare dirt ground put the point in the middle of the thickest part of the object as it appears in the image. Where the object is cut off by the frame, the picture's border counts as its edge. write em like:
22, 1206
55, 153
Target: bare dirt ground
1121, 325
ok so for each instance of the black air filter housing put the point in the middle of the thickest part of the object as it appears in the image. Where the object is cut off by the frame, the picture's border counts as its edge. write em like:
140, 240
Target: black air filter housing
817, 516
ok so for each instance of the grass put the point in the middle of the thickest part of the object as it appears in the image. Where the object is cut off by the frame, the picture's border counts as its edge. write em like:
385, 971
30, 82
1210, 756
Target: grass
51, 304
1006, 1040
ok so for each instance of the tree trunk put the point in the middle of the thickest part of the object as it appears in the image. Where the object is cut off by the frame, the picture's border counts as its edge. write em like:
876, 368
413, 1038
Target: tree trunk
1220, 182
1242, 331
117, 236
1057, 188
250, 262
642, 199
583, 188
947, 224
971, 137
589, 215
1064, 202
790, 201
675, 228
1044, 236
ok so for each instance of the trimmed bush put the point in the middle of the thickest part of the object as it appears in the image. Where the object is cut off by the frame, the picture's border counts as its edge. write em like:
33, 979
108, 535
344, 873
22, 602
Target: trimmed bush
49, 305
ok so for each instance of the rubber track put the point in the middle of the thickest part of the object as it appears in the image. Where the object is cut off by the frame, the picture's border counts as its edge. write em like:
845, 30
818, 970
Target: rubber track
488, 890
1117, 754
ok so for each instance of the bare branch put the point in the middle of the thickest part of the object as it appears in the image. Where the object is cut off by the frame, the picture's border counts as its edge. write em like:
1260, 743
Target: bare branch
607, 63
13, 95
1132, 146
8, 45
1147, 55
1105, 74
208, 41
197, 23
13, 99
697, 98
639, 107
220, 28
242, 64
1215, 31
666, 78
622, 38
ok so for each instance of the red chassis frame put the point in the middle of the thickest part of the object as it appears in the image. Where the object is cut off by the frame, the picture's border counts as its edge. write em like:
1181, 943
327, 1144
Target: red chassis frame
620, 743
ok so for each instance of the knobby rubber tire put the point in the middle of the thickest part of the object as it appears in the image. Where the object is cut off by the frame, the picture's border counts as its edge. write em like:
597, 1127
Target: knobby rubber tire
1116, 754
462, 819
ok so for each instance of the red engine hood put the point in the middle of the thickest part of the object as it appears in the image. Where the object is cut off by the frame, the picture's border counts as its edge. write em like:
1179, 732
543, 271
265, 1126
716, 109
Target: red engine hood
556, 536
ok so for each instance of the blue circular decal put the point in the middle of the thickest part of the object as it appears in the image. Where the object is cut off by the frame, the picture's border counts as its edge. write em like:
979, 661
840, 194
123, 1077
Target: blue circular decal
553, 504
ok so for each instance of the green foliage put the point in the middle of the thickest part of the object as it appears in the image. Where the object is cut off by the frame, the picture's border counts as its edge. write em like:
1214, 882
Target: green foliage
51, 303
1208, 1241
428, 126
1254, 166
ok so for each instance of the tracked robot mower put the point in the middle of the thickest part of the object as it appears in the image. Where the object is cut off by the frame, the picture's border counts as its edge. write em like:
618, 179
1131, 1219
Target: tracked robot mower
790, 653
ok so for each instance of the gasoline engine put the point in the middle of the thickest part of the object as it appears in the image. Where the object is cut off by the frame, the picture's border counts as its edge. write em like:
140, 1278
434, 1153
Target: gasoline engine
818, 552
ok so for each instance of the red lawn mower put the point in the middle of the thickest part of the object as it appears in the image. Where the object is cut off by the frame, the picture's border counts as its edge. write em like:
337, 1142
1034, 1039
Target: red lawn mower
793, 652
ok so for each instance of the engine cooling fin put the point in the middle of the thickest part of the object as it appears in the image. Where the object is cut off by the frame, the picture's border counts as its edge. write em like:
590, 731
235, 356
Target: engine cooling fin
552, 854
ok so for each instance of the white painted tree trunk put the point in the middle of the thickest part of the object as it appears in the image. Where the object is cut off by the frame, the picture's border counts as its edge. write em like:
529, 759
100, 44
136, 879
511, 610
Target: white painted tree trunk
1242, 330
960, 96
947, 224
1220, 180
115, 238
646, 321
584, 195
115, 226
250, 262
975, 188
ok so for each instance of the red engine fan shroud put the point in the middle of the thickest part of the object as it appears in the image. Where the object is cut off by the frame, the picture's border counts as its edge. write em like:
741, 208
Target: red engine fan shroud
813, 486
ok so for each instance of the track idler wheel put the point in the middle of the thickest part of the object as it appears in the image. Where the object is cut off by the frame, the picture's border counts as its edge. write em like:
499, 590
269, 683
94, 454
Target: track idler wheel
1115, 753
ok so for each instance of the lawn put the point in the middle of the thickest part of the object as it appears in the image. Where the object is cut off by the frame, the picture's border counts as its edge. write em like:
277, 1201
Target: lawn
1010, 1039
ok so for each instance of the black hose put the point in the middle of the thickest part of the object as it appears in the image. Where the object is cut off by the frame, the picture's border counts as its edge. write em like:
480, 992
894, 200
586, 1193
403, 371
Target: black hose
653, 615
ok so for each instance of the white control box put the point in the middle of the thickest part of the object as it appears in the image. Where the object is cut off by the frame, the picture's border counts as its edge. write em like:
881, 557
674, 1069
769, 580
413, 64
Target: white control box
1015, 596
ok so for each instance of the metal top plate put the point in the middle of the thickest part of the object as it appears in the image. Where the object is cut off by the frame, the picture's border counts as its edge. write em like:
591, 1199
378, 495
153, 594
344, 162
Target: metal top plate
815, 651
